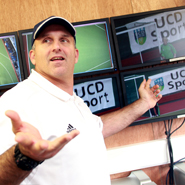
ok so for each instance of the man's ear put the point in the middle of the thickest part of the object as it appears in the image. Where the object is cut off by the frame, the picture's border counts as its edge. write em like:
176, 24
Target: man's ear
32, 56
76, 55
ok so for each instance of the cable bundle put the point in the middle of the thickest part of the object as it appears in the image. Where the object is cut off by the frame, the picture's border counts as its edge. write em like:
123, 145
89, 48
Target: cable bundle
168, 134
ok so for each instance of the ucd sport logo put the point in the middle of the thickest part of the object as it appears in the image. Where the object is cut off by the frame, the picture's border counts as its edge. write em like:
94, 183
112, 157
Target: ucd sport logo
140, 35
160, 82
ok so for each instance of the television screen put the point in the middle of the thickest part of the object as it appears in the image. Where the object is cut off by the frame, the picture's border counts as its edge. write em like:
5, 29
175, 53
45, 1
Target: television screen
149, 38
101, 94
25, 45
171, 81
10, 61
96, 52
94, 41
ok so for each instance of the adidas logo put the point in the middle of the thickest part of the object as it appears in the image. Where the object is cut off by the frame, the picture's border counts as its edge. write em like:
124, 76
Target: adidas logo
70, 128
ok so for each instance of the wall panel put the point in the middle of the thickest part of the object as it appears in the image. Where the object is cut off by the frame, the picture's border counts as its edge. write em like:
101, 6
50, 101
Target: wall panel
23, 14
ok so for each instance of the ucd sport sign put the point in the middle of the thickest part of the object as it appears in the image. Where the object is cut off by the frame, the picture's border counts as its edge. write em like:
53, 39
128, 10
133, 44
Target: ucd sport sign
97, 94
170, 81
168, 24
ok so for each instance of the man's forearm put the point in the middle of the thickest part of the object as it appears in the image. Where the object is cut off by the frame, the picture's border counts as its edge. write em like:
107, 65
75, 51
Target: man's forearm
118, 120
10, 174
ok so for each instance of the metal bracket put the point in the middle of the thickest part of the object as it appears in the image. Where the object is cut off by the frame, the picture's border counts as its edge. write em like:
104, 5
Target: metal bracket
135, 178
179, 173
143, 178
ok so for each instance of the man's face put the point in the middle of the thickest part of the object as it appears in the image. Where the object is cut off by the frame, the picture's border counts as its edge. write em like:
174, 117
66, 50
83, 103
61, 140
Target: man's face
165, 41
55, 54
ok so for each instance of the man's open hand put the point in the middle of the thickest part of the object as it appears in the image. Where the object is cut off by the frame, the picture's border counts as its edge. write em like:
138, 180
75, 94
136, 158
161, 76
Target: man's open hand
30, 141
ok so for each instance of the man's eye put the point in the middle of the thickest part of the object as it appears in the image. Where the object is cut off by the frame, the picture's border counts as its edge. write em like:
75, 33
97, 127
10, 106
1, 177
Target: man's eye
47, 40
64, 40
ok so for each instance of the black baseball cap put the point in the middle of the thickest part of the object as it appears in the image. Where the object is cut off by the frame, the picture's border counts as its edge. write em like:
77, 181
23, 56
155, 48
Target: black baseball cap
38, 28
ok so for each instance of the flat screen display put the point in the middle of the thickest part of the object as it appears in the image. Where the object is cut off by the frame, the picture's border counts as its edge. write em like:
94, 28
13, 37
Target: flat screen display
149, 38
11, 71
25, 37
171, 81
94, 41
96, 51
101, 94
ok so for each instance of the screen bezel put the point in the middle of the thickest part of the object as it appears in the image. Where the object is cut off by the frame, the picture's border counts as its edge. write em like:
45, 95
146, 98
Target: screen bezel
163, 117
76, 75
130, 18
8, 86
111, 47
118, 85
20, 34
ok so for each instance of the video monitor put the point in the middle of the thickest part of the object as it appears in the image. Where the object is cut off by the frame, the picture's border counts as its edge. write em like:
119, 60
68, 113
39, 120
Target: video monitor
149, 38
94, 41
25, 37
101, 94
11, 71
171, 81
96, 51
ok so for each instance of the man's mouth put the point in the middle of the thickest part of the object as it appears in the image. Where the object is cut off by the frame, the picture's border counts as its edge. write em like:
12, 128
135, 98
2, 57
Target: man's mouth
57, 58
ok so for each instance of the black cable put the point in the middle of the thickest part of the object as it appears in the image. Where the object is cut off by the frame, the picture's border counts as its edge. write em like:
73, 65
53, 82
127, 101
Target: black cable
169, 133
174, 164
179, 160
178, 127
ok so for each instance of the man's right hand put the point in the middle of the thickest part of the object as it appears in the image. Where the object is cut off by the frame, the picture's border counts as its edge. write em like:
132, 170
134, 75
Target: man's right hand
30, 141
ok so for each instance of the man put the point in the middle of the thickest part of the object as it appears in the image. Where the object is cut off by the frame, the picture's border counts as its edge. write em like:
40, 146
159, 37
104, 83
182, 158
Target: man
167, 50
61, 141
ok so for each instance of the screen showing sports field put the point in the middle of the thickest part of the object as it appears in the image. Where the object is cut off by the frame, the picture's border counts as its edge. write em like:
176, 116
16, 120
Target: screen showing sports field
149, 38
101, 94
25, 37
171, 81
10, 69
94, 42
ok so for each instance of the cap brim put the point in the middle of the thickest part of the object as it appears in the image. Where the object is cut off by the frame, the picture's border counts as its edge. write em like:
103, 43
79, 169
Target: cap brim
53, 20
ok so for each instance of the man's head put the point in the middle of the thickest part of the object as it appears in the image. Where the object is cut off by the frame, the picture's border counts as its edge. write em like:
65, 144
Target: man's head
38, 28
54, 53
165, 40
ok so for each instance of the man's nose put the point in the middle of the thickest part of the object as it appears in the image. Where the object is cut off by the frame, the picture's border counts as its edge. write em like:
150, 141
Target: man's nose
56, 46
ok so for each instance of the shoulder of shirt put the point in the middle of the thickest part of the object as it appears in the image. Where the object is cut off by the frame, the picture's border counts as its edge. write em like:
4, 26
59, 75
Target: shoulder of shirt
21, 90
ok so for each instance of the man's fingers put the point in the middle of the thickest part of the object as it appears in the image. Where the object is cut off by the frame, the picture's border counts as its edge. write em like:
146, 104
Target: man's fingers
143, 83
16, 121
155, 87
159, 97
68, 137
47, 149
63, 140
148, 82
12, 115
43, 149
30, 141
73, 134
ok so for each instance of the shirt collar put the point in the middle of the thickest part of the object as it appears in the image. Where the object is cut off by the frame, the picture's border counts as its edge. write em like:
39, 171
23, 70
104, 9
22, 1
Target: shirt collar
49, 87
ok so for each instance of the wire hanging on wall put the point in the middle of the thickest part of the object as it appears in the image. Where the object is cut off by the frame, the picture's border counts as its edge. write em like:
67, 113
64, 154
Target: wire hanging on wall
168, 127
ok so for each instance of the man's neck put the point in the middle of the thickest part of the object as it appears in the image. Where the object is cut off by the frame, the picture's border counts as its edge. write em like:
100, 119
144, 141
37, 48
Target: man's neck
66, 84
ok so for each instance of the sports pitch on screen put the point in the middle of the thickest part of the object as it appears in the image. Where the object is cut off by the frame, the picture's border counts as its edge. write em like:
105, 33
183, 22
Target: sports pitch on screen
94, 43
10, 69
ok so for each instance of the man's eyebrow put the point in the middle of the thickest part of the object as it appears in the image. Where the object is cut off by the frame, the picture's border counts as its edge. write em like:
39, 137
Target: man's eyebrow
42, 36
48, 35
66, 35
